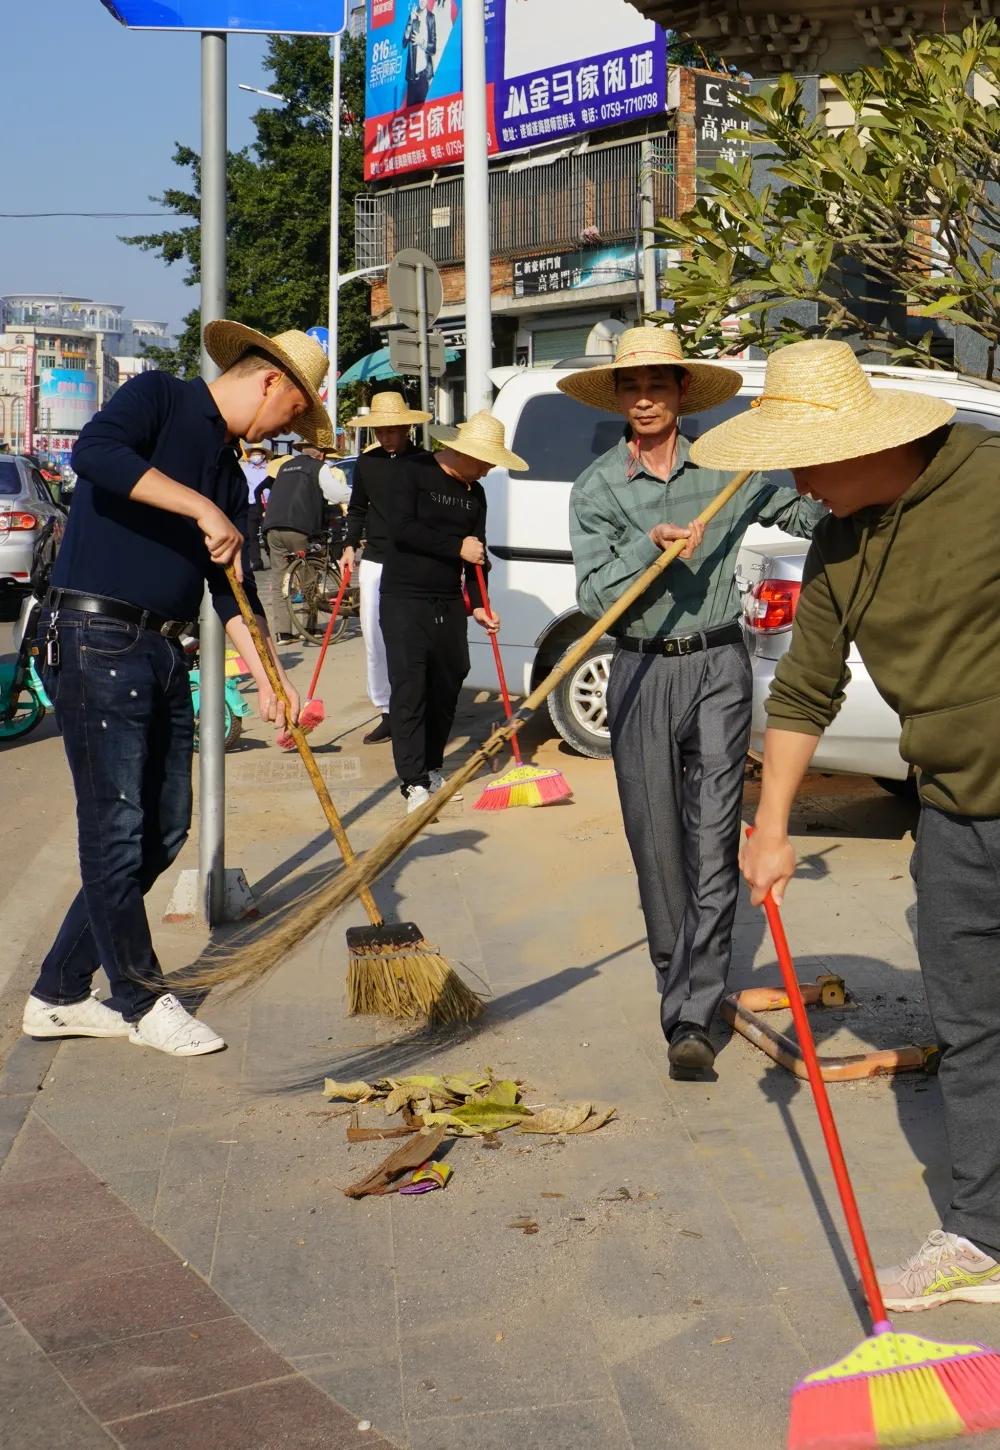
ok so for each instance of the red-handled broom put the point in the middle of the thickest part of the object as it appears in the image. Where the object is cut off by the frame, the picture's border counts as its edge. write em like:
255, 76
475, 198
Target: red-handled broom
525, 785
313, 712
893, 1389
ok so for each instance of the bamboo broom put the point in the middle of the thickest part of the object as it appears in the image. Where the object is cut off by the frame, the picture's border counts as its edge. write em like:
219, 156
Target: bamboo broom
392, 970
248, 962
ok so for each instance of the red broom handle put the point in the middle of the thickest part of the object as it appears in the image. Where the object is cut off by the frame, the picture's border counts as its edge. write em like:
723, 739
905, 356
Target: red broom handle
345, 579
826, 1121
481, 581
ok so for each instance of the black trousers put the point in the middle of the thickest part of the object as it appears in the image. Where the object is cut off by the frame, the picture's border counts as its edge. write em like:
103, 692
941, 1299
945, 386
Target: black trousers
427, 652
254, 520
956, 867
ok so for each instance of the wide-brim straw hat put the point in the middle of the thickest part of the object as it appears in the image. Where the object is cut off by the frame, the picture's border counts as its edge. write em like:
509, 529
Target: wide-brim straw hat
652, 347
481, 437
818, 406
297, 354
389, 410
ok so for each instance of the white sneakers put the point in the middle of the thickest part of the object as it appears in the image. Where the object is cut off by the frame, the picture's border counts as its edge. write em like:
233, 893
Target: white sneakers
437, 781
167, 1026
89, 1018
416, 796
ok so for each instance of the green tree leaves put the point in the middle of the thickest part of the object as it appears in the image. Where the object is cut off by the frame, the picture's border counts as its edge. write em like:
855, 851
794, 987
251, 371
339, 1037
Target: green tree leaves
279, 207
906, 196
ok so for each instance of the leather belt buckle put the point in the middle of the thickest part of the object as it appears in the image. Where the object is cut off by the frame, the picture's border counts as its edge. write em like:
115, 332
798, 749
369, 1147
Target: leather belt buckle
688, 644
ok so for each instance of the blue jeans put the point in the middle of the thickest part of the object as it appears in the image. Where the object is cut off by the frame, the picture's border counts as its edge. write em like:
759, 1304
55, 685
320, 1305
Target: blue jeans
123, 703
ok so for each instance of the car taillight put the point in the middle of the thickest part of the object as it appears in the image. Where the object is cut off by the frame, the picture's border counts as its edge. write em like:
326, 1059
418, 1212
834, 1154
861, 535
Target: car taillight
771, 604
20, 521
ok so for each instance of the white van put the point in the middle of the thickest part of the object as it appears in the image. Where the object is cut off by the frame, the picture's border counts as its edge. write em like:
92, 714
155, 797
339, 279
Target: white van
533, 582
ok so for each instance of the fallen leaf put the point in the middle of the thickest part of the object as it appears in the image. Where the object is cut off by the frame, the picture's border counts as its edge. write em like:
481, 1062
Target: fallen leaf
352, 1092
557, 1120
499, 1337
526, 1225
553, 1195
691, 1233
477, 1116
723, 1339
597, 1119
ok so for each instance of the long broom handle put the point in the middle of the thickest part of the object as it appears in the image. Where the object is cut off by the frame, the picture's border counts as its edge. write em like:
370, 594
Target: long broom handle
301, 743
504, 693
345, 579
826, 1120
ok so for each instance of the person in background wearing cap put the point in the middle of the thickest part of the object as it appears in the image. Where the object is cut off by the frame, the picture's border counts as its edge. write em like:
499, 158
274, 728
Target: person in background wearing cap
254, 465
377, 472
436, 520
679, 693
161, 507
905, 566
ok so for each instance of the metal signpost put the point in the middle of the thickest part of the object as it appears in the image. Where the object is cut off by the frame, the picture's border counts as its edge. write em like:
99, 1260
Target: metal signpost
214, 18
478, 300
417, 293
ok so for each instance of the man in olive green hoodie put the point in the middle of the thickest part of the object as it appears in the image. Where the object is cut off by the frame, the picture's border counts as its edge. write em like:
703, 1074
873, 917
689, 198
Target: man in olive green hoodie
907, 566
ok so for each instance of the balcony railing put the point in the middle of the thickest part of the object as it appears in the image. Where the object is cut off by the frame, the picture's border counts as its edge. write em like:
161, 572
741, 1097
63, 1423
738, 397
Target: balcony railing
534, 207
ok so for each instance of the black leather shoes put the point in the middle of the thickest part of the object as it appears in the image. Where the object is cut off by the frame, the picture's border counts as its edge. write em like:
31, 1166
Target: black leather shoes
380, 733
690, 1052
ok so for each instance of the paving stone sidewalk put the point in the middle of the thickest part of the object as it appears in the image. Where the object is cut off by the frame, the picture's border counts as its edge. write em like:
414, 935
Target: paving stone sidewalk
688, 1264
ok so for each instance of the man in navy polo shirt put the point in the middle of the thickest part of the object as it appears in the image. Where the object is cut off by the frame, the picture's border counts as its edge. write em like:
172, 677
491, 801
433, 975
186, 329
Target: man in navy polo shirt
160, 508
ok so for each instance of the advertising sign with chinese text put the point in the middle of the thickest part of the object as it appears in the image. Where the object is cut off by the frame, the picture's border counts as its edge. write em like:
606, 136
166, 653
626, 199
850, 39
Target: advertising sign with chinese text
569, 271
269, 17
67, 399
716, 114
555, 68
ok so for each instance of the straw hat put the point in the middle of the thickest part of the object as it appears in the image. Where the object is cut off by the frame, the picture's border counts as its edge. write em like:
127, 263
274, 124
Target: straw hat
389, 410
652, 347
481, 437
300, 356
818, 406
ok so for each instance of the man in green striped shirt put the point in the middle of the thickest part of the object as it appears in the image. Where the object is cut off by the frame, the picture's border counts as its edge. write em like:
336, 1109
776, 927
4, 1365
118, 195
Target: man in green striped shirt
679, 695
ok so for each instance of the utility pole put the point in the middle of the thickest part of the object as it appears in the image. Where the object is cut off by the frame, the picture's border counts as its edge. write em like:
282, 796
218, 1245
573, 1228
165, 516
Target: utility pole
478, 300
333, 320
212, 648
647, 221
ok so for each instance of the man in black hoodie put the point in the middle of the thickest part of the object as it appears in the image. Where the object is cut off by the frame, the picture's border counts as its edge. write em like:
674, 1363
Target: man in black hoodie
436, 519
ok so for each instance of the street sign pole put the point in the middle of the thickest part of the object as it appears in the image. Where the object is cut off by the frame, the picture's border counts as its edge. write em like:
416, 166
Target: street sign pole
478, 302
211, 724
333, 321
425, 357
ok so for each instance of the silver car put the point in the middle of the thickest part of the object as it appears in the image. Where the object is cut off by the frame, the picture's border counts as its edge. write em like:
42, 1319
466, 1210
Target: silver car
864, 738
26, 505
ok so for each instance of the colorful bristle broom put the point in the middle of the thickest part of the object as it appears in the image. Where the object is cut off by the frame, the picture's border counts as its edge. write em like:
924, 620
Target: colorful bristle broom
313, 711
524, 785
893, 1389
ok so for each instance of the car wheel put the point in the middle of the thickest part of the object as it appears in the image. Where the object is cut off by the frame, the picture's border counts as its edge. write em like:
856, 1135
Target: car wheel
578, 704
905, 789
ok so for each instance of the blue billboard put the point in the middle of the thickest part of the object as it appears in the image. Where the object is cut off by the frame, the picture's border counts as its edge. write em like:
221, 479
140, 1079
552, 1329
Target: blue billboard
554, 69
269, 17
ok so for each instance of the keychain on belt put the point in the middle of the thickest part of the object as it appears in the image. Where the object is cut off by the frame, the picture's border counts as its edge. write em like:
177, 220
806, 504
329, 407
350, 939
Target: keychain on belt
52, 642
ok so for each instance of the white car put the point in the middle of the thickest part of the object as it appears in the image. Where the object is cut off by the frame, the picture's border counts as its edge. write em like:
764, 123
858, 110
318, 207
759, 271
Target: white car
533, 582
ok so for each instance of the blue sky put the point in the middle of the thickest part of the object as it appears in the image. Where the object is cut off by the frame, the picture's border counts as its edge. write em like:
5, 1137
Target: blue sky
93, 111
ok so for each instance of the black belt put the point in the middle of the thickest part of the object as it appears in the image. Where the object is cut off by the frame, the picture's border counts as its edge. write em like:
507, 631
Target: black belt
683, 644
57, 599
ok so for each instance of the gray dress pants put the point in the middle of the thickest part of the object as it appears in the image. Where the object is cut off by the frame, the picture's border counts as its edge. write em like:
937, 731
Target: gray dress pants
680, 729
956, 867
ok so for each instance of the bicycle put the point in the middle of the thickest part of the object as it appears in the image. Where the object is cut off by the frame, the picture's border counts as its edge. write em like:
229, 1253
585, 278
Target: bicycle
311, 583
23, 701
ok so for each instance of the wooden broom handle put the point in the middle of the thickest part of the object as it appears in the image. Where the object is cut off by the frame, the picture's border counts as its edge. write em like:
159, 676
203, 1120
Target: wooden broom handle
498, 661
638, 587
301, 743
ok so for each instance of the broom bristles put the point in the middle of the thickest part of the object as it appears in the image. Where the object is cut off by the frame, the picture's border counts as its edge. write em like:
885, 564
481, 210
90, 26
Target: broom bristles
525, 785
897, 1389
420, 984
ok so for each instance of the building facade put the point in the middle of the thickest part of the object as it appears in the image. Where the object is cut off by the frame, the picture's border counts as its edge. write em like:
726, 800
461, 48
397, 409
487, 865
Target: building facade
61, 358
